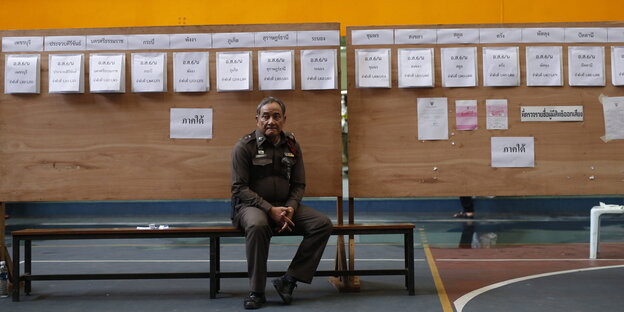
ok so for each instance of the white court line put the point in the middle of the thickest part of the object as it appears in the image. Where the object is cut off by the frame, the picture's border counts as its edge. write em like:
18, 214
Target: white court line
198, 261
228, 223
525, 260
461, 302
325, 260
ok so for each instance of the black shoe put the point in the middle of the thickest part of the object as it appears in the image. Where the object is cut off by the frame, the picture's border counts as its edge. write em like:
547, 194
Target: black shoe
254, 301
285, 287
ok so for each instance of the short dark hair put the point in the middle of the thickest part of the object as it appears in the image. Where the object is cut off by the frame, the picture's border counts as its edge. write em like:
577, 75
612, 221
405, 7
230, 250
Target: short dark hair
269, 100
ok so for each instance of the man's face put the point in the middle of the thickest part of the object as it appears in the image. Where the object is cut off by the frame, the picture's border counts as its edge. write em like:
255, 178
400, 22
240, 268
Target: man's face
271, 120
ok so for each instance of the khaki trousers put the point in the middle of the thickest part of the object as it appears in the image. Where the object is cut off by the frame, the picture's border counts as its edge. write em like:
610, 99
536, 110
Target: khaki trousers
259, 228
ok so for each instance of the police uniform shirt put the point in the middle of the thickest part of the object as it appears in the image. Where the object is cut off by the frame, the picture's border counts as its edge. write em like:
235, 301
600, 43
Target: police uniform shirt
266, 175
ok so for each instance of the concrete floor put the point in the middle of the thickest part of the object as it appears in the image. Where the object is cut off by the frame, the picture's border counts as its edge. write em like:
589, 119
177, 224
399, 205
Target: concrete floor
530, 263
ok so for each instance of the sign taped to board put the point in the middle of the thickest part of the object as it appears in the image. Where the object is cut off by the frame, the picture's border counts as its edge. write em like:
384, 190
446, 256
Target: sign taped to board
551, 113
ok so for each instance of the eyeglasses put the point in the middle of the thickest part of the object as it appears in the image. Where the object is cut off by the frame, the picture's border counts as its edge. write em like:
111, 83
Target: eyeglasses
267, 116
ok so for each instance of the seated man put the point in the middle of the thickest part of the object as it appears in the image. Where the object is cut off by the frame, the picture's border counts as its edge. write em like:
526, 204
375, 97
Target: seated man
268, 182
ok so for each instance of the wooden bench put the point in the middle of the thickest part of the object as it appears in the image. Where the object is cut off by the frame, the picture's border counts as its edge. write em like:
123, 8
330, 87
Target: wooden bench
214, 233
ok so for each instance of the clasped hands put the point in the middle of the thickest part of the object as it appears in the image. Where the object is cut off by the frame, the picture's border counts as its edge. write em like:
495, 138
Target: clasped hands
283, 217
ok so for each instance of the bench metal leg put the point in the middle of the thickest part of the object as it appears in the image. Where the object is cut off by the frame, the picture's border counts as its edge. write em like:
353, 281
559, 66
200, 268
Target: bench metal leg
15, 278
213, 267
27, 266
218, 264
409, 262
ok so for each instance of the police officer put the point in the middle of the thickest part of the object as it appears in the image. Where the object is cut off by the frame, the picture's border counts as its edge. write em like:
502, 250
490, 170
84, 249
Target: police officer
268, 183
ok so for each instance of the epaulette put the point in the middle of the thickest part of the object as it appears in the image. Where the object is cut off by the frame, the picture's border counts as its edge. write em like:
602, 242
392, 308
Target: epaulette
290, 136
292, 143
248, 138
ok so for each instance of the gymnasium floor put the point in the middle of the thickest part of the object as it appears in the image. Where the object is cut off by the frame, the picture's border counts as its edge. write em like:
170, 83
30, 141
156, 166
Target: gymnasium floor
494, 263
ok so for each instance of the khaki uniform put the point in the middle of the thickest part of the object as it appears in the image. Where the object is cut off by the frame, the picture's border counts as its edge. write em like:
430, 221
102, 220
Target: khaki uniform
264, 176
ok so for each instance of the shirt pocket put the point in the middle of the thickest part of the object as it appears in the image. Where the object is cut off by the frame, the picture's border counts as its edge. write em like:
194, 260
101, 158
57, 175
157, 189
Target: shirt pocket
262, 161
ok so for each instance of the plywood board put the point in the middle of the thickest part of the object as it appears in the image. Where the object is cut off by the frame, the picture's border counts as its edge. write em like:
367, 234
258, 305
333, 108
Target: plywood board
386, 159
60, 147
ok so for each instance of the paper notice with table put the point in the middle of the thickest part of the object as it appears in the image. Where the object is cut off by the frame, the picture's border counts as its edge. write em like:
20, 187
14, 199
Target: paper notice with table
107, 73
234, 71
432, 118
466, 115
459, 67
66, 73
149, 72
613, 108
586, 66
416, 68
276, 70
21, 73
372, 68
617, 66
190, 72
319, 69
496, 114
544, 66
501, 67
513, 152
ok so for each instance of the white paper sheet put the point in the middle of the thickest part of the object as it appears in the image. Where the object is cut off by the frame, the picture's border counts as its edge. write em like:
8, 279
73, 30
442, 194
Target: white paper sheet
459, 67
190, 41
276, 39
496, 114
542, 35
416, 68
432, 118
617, 66
415, 36
319, 69
500, 35
107, 73
513, 152
149, 72
148, 42
544, 66
232, 40
190, 123
276, 70
21, 73
458, 35
615, 34
372, 36
65, 43
190, 72
586, 66
107, 42
318, 38
595, 34
501, 67
234, 71
372, 68
22, 44
551, 113
466, 115
66, 73
613, 108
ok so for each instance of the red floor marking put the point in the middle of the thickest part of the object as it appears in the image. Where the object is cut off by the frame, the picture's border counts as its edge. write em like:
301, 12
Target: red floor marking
460, 278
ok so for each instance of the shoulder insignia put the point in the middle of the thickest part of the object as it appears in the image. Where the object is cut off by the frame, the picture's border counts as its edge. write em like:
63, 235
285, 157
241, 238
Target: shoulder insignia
248, 138
290, 136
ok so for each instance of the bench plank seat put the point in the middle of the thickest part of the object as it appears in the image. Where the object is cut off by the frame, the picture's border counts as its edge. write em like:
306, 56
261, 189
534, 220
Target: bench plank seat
213, 233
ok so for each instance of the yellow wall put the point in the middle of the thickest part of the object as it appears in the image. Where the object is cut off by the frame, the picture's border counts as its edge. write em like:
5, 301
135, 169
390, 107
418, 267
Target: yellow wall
39, 14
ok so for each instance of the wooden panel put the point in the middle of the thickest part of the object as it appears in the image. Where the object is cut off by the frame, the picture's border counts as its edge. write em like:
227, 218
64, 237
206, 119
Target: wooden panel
387, 160
117, 147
